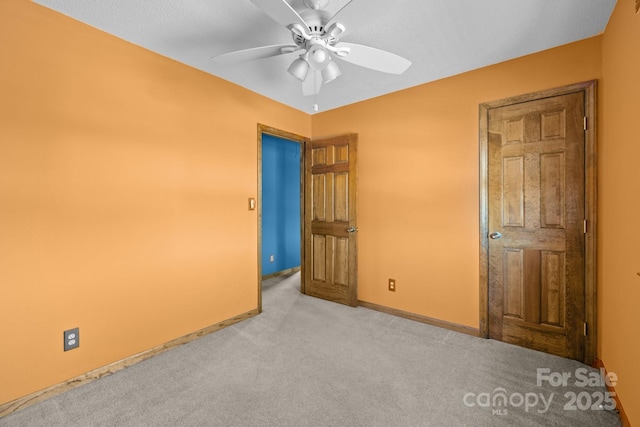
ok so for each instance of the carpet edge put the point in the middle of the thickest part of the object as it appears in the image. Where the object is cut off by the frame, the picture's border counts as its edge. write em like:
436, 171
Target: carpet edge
103, 371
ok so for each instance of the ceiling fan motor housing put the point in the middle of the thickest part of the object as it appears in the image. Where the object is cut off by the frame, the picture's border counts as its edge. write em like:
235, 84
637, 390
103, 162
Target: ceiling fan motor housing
316, 20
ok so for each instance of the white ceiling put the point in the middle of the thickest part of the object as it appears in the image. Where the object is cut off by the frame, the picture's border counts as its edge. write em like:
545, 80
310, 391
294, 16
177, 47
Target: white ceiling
441, 37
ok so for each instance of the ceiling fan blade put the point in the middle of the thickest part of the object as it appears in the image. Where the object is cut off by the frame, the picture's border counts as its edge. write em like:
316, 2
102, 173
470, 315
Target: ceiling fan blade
280, 11
358, 13
255, 53
312, 84
375, 59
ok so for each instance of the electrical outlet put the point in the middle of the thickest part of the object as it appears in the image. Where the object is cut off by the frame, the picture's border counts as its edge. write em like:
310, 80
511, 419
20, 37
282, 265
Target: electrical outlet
71, 339
272, 258
392, 285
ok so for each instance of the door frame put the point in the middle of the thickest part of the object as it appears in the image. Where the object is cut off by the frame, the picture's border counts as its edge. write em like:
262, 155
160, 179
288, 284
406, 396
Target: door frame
262, 129
589, 90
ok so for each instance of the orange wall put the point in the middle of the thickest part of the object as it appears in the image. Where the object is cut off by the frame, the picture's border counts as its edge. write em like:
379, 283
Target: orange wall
124, 179
619, 205
418, 188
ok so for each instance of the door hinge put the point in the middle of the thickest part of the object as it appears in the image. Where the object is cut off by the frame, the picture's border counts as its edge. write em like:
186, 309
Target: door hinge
584, 226
585, 329
584, 122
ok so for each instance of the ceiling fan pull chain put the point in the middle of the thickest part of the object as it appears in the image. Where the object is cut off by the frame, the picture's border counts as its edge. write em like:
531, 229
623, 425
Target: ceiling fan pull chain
315, 102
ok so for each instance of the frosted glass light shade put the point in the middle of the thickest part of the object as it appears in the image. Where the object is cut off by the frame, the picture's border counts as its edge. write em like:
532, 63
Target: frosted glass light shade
299, 69
330, 72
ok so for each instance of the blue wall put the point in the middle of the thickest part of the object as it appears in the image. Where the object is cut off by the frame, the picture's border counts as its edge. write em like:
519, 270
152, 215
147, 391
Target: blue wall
280, 204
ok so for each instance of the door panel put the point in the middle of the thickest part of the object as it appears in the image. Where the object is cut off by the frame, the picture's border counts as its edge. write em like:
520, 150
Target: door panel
513, 191
552, 203
536, 203
330, 211
553, 288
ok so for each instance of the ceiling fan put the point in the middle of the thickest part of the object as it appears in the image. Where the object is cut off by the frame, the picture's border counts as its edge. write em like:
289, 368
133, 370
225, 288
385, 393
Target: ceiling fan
317, 35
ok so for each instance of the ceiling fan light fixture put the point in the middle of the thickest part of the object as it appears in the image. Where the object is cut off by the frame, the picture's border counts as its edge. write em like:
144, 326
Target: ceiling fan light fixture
318, 57
330, 72
299, 69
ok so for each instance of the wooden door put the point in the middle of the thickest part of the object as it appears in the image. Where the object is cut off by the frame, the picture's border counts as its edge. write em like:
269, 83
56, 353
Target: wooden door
330, 255
536, 207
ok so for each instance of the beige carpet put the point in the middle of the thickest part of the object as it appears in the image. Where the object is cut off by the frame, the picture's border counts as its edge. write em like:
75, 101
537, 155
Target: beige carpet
308, 362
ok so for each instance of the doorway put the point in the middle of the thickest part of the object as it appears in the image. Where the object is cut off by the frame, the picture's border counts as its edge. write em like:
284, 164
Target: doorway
538, 221
280, 201
327, 230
